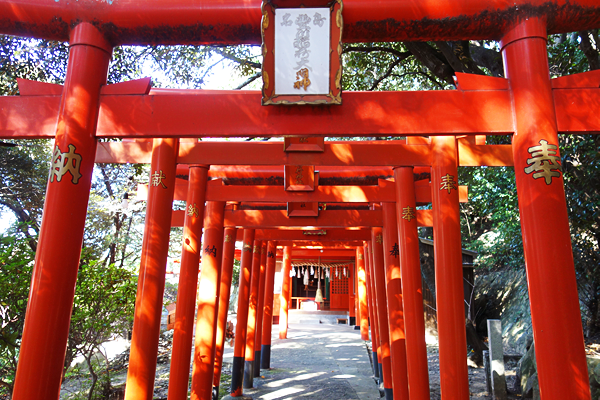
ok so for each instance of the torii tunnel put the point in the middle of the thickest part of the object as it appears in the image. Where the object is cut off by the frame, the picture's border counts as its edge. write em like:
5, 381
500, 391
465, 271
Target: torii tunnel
362, 194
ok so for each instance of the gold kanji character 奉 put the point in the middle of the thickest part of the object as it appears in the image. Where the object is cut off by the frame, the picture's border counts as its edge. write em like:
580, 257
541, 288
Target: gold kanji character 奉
408, 213
544, 162
448, 183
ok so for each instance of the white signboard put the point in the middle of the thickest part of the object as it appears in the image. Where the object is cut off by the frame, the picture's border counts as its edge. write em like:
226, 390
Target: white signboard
302, 51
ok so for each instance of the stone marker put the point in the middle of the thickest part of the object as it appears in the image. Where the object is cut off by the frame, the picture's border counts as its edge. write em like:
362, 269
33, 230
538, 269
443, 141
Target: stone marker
496, 359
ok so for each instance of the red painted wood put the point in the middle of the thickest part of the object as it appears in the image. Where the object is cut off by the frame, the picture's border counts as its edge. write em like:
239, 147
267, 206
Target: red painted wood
44, 340
151, 281
188, 284
555, 311
229, 22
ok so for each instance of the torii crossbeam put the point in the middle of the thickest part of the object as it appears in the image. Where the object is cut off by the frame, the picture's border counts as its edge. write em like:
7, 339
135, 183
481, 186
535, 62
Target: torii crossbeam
527, 105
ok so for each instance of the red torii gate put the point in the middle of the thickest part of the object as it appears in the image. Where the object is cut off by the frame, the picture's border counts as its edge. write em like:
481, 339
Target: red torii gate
528, 107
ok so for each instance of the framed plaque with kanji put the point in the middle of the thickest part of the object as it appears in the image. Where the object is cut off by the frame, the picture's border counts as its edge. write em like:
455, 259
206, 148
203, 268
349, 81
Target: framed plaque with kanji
301, 47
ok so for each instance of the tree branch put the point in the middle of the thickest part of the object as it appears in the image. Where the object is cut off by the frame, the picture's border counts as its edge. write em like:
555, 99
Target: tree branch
389, 70
588, 50
429, 57
249, 80
236, 59
370, 49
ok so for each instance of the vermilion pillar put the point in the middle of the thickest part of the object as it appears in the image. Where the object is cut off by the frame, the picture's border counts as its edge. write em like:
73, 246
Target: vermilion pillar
260, 309
454, 379
224, 292
265, 359
412, 300
557, 331
362, 293
208, 302
239, 350
252, 316
394, 301
384, 335
371, 303
151, 281
44, 339
188, 284
374, 316
285, 292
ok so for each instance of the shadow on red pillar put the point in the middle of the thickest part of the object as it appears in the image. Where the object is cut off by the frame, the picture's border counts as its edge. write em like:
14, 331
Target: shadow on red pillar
394, 301
188, 284
260, 309
151, 282
265, 357
412, 299
239, 350
208, 295
454, 378
44, 340
252, 316
384, 333
555, 314
285, 292
372, 311
224, 297
362, 293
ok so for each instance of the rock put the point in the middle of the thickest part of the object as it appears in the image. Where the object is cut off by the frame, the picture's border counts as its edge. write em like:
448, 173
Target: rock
526, 368
530, 387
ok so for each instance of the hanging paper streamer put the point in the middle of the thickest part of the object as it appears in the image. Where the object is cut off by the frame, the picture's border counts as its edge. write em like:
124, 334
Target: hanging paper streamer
336, 273
327, 272
305, 278
312, 270
344, 271
304, 272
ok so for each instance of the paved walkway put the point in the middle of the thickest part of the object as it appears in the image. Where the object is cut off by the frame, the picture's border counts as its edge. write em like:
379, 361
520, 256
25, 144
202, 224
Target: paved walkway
316, 362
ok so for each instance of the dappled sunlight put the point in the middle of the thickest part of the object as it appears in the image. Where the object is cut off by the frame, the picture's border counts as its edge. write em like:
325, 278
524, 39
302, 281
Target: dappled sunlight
302, 377
343, 153
343, 376
281, 393
345, 345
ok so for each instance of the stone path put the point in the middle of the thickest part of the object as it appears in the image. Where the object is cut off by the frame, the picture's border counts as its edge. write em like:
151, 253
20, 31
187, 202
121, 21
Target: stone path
316, 362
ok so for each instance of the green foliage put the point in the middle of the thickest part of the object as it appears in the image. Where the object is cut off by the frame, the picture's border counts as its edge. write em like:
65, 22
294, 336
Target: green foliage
384, 66
102, 309
16, 265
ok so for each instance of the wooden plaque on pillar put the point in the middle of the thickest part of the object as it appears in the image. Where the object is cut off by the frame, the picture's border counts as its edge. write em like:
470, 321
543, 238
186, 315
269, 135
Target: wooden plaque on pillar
297, 209
301, 47
302, 144
300, 178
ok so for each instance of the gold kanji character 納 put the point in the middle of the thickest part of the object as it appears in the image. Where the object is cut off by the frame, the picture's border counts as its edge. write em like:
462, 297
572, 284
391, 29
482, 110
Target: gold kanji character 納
193, 210
227, 238
65, 162
448, 183
379, 239
544, 162
211, 251
157, 178
246, 247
